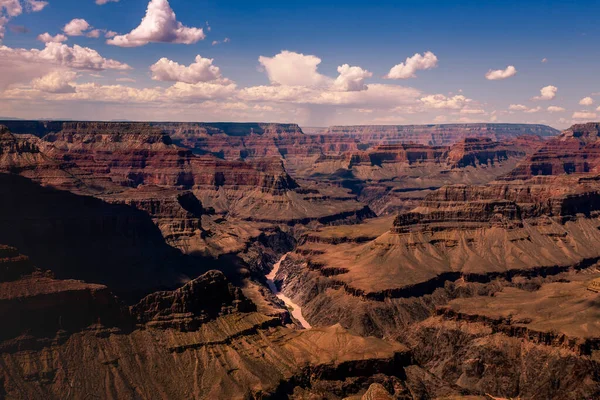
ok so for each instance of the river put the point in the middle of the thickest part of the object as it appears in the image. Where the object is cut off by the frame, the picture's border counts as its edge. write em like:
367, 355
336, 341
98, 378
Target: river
295, 309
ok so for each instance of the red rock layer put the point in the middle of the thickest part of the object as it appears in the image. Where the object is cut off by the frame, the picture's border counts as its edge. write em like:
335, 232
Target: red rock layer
576, 150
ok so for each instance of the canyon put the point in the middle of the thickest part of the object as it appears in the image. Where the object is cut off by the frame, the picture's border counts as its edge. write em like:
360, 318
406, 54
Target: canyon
257, 260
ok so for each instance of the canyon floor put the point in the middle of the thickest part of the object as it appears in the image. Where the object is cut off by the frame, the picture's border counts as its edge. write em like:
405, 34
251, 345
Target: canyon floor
267, 261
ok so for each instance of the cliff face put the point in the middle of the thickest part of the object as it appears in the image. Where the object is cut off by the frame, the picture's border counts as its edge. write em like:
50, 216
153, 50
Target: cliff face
395, 177
204, 340
43, 128
40, 306
198, 301
438, 135
487, 284
576, 150
82, 237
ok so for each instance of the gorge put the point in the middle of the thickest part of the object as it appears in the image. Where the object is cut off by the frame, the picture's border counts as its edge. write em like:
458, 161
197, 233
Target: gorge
199, 260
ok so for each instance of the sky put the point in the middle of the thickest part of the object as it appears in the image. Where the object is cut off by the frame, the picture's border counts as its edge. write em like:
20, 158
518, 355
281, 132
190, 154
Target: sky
316, 63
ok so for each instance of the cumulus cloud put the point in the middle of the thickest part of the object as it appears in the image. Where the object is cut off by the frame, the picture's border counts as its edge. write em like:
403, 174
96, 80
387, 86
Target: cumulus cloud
202, 70
13, 8
553, 109
547, 93
588, 115
351, 79
76, 27
440, 101
48, 38
293, 69
95, 33
181, 91
521, 107
377, 96
533, 110
159, 25
586, 101
36, 5
56, 82
76, 57
517, 107
125, 80
413, 64
494, 75
102, 2
472, 111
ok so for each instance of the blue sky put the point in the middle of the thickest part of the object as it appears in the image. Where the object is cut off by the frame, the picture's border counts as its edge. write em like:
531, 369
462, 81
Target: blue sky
467, 39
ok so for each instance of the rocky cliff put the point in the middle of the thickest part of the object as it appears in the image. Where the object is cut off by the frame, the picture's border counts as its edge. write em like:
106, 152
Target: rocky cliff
205, 340
576, 150
438, 135
395, 177
488, 284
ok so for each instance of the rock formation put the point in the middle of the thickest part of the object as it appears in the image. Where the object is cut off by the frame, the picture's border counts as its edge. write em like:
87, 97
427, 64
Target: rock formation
437, 135
472, 277
133, 259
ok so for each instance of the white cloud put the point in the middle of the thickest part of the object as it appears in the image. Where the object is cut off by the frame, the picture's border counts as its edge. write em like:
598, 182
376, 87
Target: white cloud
102, 2
159, 25
586, 101
440, 101
351, 79
216, 42
95, 33
494, 75
547, 93
76, 27
48, 38
293, 69
534, 110
36, 5
472, 111
110, 34
521, 107
377, 96
125, 80
56, 82
517, 107
11, 8
202, 70
544, 60
76, 57
200, 91
413, 64
553, 109
584, 115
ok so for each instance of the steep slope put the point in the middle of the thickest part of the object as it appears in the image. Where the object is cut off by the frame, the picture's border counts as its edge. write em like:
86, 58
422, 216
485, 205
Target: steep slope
204, 340
575, 151
85, 238
137, 164
391, 178
487, 284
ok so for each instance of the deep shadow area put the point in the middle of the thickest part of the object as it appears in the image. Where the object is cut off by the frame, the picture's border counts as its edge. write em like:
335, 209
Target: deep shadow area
81, 237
